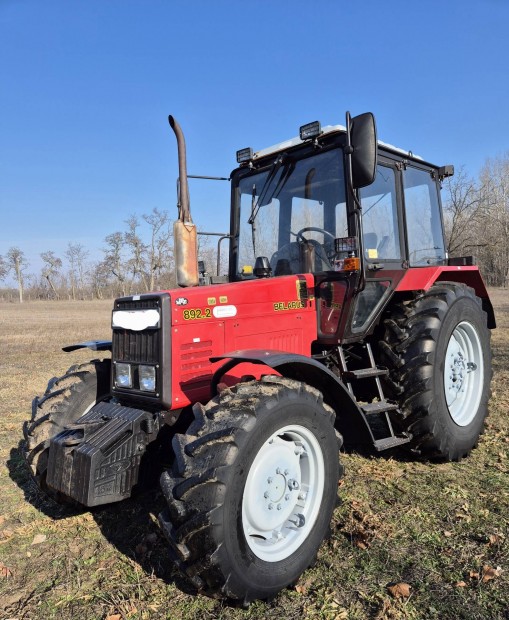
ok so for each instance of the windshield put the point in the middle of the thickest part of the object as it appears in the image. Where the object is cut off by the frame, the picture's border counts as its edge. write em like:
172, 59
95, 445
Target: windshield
292, 212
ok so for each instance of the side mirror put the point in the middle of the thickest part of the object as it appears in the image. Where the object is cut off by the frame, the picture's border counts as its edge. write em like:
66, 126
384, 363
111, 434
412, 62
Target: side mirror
364, 149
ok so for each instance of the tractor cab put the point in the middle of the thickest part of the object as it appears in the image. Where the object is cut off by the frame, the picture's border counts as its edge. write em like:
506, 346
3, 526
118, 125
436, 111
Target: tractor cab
336, 203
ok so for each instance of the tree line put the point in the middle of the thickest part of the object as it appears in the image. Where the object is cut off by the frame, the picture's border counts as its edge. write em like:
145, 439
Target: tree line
140, 257
476, 215
137, 259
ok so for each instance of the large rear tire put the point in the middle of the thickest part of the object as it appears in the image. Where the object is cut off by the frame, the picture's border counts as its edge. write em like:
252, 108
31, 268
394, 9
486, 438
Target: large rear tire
253, 488
66, 399
437, 348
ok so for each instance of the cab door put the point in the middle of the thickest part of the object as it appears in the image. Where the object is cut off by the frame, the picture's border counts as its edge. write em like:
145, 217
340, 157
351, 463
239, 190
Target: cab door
383, 244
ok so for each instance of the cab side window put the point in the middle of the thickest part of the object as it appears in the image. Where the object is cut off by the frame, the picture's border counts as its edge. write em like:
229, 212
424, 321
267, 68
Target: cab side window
424, 224
380, 217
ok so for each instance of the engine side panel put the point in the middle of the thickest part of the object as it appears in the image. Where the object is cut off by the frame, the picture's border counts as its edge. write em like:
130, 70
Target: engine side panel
272, 313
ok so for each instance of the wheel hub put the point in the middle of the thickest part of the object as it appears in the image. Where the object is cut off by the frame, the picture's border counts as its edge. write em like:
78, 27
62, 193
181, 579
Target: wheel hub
282, 493
463, 373
273, 485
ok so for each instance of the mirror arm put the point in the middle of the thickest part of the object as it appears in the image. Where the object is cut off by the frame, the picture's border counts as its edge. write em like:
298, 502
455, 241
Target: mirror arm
348, 150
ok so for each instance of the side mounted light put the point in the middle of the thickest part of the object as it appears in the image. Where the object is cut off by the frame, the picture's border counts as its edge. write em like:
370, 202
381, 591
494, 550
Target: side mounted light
445, 171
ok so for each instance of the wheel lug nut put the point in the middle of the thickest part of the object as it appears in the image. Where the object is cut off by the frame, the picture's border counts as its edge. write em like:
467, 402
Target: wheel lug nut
279, 506
287, 472
287, 497
269, 480
271, 506
278, 471
266, 494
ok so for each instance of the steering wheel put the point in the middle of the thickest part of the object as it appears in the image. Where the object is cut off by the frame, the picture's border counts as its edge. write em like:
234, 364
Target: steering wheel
322, 253
301, 237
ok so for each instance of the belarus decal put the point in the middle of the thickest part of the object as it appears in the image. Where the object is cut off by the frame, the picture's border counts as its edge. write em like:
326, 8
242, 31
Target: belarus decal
181, 301
288, 305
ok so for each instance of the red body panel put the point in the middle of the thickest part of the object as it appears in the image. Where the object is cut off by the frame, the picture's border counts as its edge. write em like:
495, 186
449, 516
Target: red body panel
207, 321
422, 278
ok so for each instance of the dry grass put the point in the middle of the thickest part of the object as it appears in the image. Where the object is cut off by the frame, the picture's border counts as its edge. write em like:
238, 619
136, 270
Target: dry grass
435, 527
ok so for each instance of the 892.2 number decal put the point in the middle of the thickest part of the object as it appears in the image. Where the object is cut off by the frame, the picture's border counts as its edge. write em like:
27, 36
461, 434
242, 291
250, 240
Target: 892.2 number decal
194, 314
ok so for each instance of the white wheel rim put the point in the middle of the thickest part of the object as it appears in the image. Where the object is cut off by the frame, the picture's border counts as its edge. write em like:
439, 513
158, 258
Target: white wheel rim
283, 493
463, 373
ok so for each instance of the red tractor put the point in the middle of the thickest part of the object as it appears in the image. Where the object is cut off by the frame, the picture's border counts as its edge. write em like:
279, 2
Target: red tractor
342, 319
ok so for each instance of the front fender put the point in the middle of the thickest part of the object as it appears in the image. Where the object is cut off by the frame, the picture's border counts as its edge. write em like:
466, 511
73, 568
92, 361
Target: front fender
350, 419
94, 345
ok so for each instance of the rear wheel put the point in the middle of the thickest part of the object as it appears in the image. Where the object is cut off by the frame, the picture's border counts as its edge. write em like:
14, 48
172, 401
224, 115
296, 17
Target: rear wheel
66, 399
438, 349
253, 488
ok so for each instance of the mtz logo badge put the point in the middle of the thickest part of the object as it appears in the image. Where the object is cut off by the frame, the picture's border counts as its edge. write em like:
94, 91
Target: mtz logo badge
181, 301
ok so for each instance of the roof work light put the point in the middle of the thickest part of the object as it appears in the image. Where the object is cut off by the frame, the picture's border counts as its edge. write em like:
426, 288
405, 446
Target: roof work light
310, 130
244, 155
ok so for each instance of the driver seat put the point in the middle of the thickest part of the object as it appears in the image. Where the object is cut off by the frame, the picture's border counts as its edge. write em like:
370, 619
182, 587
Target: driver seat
287, 260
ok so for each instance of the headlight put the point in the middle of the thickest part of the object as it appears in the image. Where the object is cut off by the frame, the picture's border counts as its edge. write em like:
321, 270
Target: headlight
147, 378
123, 376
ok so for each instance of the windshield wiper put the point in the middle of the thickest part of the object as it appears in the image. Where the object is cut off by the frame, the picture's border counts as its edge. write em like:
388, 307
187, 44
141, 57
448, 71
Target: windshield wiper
256, 204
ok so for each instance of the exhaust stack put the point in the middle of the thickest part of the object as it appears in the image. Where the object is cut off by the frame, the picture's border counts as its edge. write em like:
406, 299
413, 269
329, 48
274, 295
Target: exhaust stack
184, 231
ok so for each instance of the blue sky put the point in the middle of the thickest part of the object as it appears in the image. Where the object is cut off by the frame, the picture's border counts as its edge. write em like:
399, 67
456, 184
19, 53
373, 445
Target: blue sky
86, 87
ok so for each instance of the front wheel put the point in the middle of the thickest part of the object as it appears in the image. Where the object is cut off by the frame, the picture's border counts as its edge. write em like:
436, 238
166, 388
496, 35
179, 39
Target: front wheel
253, 488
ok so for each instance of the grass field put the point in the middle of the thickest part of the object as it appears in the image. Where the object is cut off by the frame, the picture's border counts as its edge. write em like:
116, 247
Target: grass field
442, 529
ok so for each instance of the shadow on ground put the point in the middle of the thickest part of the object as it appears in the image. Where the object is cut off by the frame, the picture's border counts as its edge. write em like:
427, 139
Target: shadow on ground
131, 526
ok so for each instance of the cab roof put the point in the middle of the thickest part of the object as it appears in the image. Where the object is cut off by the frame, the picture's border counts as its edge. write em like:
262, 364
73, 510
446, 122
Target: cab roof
328, 129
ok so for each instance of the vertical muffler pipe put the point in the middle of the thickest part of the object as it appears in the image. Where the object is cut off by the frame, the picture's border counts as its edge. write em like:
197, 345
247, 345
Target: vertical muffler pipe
184, 231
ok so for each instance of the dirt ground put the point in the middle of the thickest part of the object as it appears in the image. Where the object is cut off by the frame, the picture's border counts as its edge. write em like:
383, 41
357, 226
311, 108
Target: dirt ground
438, 532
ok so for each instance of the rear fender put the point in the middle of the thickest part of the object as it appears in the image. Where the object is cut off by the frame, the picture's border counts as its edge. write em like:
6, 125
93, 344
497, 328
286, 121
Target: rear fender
423, 278
350, 419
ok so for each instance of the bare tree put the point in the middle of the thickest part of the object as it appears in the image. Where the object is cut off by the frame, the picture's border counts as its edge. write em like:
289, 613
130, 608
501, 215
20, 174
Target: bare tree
149, 260
138, 250
160, 255
76, 254
495, 204
462, 214
115, 260
51, 269
17, 262
99, 275
4, 268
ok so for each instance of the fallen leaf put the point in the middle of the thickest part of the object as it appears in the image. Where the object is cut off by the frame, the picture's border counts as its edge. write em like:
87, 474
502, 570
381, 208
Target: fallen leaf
494, 539
399, 590
5, 571
303, 587
6, 534
447, 534
114, 617
460, 584
489, 573
473, 574
39, 538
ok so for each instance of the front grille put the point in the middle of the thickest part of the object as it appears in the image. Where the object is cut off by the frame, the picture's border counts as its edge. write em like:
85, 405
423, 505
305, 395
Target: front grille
139, 347
150, 346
